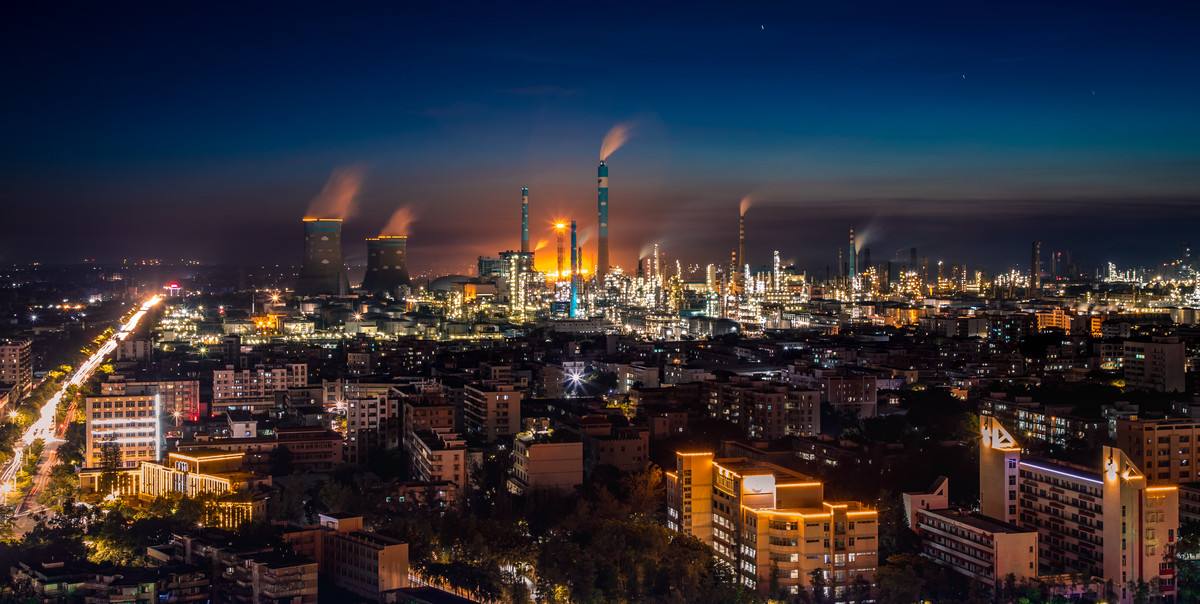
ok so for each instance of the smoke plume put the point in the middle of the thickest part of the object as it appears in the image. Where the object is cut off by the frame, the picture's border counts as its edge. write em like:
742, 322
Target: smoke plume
400, 222
615, 138
744, 205
336, 199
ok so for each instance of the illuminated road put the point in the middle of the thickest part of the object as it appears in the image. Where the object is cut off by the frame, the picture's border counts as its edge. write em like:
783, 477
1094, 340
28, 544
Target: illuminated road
44, 428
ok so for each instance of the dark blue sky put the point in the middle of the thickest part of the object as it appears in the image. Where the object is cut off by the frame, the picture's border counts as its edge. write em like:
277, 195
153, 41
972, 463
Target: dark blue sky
965, 129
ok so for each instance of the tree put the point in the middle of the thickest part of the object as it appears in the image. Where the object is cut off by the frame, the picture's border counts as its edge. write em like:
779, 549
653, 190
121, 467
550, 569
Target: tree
110, 466
281, 461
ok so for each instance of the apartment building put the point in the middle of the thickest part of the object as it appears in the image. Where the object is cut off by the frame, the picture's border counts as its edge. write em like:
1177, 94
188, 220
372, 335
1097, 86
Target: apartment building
1157, 364
440, 457
545, 458
364, 563
16, 366
492, 410
981, 548
180, 398
1167, 450
856, 393
772, 525
765, 410
1054, 424
261, 381
1103, 522
626, 448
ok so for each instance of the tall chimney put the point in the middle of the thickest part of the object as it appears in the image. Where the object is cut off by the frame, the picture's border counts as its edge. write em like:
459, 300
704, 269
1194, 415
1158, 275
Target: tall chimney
852, 258
602, 207
574, 308
525, 219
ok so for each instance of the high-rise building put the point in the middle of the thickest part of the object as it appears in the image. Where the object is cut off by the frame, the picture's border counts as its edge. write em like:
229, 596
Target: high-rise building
16, 367
230, 383
180, 398
387, 264
1104, 522
322, 271
1158, 364
130, 422
1168, 449
492, 410
773, 526
366, 564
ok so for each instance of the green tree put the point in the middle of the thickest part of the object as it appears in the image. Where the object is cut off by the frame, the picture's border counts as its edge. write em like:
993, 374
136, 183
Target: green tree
110, 467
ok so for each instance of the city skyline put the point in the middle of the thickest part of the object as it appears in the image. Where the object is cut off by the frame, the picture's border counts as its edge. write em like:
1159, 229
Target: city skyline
829, 119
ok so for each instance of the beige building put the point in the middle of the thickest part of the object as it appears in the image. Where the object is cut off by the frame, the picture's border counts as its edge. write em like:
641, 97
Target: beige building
545, 458
130, 422
936, 498
440, 457
180, 398
982, 548
773, 526
1103, 522
1158, 364
231, 383
1167, 450
16, 366
363, 563
492, 411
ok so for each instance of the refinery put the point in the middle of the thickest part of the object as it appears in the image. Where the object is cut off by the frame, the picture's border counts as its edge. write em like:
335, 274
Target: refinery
571, 286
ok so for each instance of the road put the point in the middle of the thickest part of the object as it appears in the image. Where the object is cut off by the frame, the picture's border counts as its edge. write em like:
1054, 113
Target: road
45, 429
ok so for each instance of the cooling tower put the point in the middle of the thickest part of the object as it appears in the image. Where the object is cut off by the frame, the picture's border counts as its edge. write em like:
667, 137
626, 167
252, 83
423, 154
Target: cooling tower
322, 271
387, 264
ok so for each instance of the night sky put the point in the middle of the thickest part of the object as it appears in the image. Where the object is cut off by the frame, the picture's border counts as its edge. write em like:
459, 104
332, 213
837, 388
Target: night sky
964, 129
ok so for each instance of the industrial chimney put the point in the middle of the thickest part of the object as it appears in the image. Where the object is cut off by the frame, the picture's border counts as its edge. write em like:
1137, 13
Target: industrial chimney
602, 207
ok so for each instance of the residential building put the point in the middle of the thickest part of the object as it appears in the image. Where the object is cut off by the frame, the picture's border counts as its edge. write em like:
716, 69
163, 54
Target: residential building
364, 563
626, 448
16, 366
1167, 450
855, 393
1105, 522
1054, 424
261, 381
936, 498
180, 398
440, 457
545, 458
1158, 364
492, 411
772, 525
981, 548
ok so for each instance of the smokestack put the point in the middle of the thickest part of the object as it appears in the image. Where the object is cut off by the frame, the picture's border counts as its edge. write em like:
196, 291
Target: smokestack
602, 206
1035, 267
852, 258
322, 271
574, 308
525, 219
559, 233
387, 264
741, 251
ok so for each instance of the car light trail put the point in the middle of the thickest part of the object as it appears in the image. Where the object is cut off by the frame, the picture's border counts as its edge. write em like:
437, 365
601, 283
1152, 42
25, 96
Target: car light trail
43, 427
